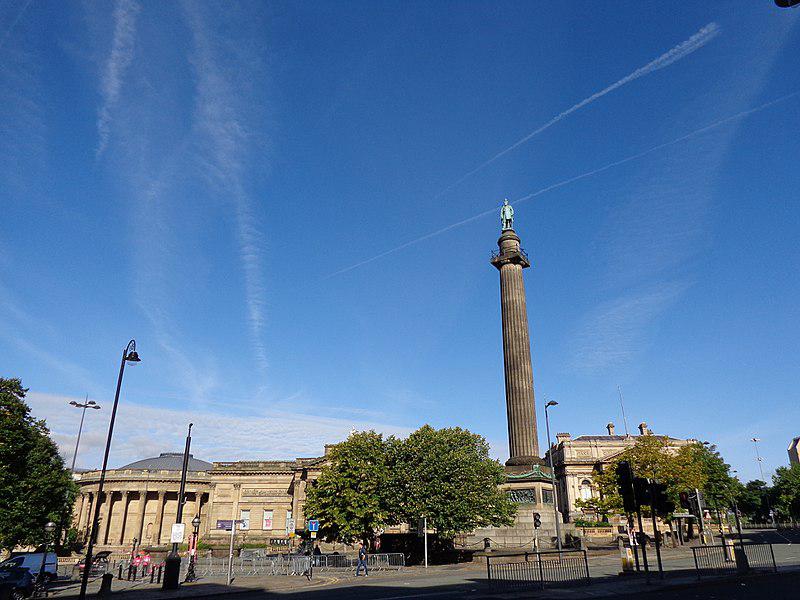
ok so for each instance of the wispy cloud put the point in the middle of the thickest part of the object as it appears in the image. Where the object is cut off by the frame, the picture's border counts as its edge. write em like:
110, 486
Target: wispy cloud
682, 50
585, 175
225, 128
615, 331
143, 431
122, 50
10, 29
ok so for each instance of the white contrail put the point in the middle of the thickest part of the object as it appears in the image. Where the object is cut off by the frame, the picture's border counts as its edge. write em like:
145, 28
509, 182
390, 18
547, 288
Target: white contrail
122, 48
698, 40
544, 190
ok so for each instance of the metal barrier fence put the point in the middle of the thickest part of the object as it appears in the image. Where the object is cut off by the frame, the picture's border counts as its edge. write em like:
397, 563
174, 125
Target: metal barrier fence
540, 568
731, 559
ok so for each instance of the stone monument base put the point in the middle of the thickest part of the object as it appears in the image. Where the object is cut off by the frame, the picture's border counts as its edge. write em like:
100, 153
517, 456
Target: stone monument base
531, 489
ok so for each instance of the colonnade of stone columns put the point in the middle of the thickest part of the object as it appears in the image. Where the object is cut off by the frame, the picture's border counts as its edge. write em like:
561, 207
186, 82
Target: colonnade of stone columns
119, 506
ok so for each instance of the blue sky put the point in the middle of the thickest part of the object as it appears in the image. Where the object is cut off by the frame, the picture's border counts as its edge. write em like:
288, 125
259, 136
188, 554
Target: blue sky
291, 207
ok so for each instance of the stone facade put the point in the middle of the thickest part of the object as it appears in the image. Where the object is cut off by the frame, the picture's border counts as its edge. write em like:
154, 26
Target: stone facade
794, 452
578, 460
140, 500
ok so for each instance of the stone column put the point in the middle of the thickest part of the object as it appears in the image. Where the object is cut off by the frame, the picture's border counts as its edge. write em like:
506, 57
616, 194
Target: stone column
206, 525
86, 521
198, 498
125, 499
520, 404
159, 516
142, 509
237, 491
77, 511
109, 499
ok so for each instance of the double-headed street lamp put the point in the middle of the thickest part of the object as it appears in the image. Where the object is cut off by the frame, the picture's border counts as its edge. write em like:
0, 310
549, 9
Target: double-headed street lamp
755, 441
129, 355
552, 472
86, 404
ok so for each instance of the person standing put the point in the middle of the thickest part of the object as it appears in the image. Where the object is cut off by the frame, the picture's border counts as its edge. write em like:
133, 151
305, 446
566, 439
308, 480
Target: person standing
146, 563
362, 560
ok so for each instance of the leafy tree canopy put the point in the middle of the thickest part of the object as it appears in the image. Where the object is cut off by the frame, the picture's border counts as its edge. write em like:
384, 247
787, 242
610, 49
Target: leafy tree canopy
683, 469
35, 487
786, 491
447, 476
371, 482
351, 497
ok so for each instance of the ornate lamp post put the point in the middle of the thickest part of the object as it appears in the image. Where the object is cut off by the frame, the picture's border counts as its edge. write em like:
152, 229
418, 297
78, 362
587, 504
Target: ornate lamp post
190, 575
552, 472
129, 355
49, 528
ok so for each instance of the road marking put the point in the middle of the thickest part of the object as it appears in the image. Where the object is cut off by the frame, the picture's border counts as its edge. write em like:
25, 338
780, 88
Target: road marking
454, 592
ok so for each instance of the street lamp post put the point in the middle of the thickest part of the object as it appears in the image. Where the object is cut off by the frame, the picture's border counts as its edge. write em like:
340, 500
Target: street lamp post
87, 404
172, 564
129, 355
49, 528
755, 441
552, 472
190, 574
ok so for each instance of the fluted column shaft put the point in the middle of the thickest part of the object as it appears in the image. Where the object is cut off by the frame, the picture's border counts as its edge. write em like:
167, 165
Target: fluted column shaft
159, 517
520, 402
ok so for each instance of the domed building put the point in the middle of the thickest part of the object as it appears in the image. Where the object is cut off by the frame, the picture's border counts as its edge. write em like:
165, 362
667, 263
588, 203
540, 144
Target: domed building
139, 503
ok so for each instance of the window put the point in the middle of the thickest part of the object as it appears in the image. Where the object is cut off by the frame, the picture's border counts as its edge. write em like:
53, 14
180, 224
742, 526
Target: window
244, 517
585, 489
547, 496
267, 522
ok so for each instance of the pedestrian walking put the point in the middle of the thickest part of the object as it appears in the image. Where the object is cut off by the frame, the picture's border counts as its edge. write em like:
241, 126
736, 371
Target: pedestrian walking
362, 560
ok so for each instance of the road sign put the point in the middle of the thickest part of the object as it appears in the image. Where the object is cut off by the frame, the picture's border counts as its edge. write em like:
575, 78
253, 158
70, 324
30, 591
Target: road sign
226, 524
290, 526
313, 535
683, 515
313, 525
178, 530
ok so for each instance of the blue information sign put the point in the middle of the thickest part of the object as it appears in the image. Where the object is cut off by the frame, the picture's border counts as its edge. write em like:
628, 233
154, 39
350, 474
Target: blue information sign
313, 525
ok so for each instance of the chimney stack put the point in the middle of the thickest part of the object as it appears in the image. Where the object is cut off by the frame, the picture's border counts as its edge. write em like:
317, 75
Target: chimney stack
643, 430
610, 428
563, 437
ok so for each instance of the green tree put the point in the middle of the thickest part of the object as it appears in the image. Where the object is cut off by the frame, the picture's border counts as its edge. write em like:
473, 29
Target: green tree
35, 487
447, 476
652, 456
350, 498
786, 491
752, 500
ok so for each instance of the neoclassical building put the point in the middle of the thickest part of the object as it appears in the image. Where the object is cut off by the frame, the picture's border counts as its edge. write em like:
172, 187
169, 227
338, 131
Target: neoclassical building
139, 503
578, 460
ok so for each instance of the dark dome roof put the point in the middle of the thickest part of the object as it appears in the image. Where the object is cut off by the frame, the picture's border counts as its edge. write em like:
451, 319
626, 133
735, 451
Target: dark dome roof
169, 461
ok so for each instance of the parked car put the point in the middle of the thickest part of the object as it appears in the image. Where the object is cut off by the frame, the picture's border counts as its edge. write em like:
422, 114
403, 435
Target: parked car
32, 561
16, 583
99, 564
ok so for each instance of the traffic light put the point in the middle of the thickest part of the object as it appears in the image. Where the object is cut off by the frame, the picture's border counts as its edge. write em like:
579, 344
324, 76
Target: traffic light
537, 520
660, 500
684, 496
641, 487
625, 484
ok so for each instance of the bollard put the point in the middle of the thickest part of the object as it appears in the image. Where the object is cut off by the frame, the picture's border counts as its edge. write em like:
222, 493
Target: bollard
135, 569
130, 568
119, 575
105, 585
160, 567
152, 574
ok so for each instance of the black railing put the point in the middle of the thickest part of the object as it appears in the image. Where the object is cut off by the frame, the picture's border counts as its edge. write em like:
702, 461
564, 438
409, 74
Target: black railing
730, 559
539, 568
